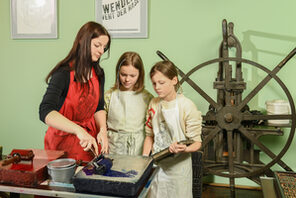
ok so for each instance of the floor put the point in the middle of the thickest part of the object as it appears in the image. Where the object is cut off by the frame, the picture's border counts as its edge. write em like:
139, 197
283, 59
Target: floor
221, 192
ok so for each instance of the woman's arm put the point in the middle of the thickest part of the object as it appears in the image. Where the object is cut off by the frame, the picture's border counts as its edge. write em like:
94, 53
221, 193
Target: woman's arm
55, 94
58, 121
100, 119
53, 100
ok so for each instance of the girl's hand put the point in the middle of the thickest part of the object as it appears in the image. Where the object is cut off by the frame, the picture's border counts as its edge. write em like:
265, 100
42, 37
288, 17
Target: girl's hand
87, 141
177, 148
103, 140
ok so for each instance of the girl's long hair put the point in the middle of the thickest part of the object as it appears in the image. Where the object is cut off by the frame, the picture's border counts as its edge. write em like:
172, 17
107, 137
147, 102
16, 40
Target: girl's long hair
134, 59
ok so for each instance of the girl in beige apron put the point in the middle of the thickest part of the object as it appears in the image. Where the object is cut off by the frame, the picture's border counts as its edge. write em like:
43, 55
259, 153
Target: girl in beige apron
126, 104
174, 178
126, 117
171, 118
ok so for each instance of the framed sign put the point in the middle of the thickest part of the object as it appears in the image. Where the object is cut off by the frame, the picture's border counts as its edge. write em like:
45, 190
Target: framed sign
124, 18
33, 19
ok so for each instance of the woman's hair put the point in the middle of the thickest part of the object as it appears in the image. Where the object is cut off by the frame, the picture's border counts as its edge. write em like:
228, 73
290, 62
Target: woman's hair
134, 59
80, 54
168, 69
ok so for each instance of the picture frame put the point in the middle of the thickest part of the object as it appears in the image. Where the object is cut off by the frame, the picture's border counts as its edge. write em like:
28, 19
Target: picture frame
31, 19
123, 19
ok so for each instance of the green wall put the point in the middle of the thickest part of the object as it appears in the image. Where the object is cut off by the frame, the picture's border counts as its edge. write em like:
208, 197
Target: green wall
189, 32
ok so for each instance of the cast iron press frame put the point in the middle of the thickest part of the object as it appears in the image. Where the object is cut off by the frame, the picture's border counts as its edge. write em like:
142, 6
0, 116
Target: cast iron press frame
230, 117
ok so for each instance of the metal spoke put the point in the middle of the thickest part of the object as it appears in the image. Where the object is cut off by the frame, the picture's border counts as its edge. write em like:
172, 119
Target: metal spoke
230, 160
263, 148
266, 79
209, 137
267, 117
200, 91
190, 82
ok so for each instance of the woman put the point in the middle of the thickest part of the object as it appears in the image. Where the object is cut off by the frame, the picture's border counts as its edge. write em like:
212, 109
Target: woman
73, 105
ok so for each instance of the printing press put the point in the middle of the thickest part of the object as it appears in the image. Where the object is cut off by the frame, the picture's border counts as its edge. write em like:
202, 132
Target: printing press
232, 132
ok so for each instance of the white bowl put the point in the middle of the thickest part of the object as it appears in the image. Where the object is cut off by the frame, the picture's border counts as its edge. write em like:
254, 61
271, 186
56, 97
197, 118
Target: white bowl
278, 107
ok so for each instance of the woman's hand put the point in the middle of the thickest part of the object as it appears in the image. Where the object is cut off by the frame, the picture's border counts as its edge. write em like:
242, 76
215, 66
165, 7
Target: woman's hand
87, 141
103, 140
100, 119
177, 148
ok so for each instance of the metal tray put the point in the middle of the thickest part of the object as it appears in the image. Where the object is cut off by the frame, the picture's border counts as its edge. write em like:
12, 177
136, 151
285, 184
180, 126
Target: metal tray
118, 186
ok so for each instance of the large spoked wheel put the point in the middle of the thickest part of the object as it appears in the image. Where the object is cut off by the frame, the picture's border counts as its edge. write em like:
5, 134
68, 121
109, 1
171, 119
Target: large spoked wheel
229, 120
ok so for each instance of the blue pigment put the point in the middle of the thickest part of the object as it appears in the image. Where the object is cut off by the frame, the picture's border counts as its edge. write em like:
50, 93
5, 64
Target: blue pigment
113, 173
103, 167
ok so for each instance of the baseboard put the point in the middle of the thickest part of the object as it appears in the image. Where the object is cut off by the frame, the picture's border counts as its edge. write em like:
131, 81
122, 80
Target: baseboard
236, 186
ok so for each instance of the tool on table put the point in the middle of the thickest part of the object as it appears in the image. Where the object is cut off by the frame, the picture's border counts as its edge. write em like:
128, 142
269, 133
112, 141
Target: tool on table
102, 164
93, 152
19, 155
84, 163
99, 165
166, 152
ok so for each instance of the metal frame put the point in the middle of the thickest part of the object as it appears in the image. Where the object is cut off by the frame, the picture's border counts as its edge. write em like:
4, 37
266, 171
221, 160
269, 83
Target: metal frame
229, 121
31, 26
121, 28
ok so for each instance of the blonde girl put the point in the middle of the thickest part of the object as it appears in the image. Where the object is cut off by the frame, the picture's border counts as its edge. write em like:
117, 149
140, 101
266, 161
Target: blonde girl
126, 105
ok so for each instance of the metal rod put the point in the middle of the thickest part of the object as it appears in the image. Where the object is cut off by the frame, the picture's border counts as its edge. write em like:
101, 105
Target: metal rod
93, 152
264, 148
191, 83
230, 162
267, 79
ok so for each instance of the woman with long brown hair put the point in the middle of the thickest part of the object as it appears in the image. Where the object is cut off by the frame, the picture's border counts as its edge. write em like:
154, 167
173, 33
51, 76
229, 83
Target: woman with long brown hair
73, 105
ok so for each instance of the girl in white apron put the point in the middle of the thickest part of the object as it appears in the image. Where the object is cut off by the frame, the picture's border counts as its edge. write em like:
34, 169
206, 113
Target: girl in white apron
171, 118
126, 105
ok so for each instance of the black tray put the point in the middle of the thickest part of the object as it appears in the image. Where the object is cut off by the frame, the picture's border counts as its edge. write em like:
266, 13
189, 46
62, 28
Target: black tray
118, 186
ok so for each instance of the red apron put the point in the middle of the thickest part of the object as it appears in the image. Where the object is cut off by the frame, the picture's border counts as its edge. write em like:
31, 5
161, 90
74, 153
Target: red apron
78, 107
